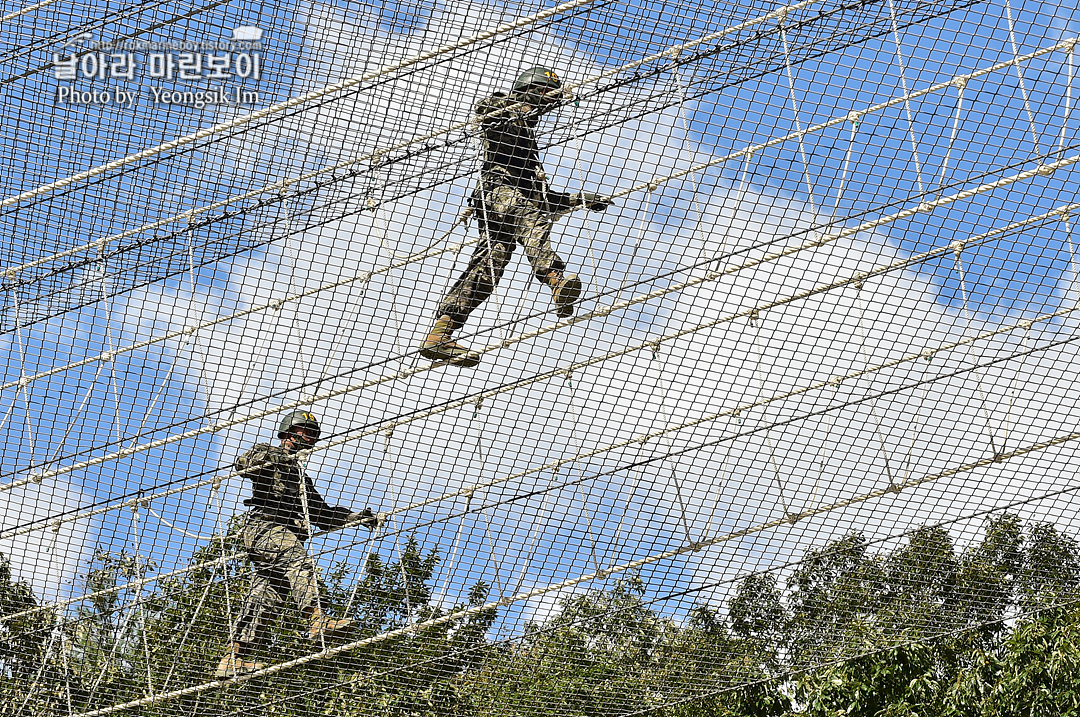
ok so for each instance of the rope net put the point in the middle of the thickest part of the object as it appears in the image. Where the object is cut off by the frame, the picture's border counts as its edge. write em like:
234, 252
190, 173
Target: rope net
799, 444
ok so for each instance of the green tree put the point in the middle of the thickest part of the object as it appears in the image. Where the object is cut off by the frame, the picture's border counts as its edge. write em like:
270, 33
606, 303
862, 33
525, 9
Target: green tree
28, 668
419, 672
608, 652
924, 629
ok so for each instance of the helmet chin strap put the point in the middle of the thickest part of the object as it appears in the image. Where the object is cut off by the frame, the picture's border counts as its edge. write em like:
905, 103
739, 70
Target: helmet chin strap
295, 442
539, 99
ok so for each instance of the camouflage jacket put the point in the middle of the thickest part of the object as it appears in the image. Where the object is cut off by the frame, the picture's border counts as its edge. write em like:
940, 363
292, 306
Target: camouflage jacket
276, 480
511, 154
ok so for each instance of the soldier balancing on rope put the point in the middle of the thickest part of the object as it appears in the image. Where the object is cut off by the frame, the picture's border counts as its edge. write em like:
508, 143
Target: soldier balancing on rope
284, 505
514, 205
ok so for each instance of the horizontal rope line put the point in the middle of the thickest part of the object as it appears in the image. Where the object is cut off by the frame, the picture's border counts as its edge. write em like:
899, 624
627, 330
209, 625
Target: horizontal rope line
854, 115
276, 304
25, 10
775, 568
422, 256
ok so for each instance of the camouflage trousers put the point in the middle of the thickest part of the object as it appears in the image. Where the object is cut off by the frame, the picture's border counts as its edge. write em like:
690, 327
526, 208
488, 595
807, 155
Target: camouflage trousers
506, 217
283, 569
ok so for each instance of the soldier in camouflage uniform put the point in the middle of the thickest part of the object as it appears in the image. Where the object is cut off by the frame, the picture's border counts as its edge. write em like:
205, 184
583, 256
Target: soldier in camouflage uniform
514, 205
284, 505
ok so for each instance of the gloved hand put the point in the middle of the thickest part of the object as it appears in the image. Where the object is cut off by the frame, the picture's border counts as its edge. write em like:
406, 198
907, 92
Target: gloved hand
594, 202
367, 519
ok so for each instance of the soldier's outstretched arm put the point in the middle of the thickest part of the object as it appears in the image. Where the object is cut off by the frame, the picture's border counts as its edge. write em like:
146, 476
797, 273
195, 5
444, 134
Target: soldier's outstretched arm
368, 519
565, 201
593, 202
321, 514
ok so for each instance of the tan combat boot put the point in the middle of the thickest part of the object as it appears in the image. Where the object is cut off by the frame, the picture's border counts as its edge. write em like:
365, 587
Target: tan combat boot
321, 626
439, 345
233, 663
565, 290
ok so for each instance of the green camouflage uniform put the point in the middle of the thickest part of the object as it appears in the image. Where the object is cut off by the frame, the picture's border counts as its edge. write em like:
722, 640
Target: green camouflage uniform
273, 533
513, 205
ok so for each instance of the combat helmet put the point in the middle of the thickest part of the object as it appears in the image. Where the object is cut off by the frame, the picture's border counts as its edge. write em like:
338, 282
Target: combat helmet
537, 77
538, 86
298, 419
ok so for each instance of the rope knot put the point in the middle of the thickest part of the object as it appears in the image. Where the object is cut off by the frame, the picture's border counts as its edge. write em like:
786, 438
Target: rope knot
285, 186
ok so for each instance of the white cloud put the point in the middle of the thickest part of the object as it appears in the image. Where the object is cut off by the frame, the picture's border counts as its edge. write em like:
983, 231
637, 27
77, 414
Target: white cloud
48, 560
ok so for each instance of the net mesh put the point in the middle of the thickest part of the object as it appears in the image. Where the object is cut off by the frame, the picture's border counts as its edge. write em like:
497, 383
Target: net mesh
801, 443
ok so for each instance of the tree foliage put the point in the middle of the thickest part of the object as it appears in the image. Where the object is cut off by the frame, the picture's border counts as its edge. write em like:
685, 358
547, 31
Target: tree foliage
925, 629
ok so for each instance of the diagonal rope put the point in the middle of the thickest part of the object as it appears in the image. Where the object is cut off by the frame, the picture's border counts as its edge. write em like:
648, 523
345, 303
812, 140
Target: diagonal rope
781, 26
959, 265
907, 102
1023, 84
859, 277
1070, 52
649, 461
28, 9
294, 102
597, 313
926, 355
